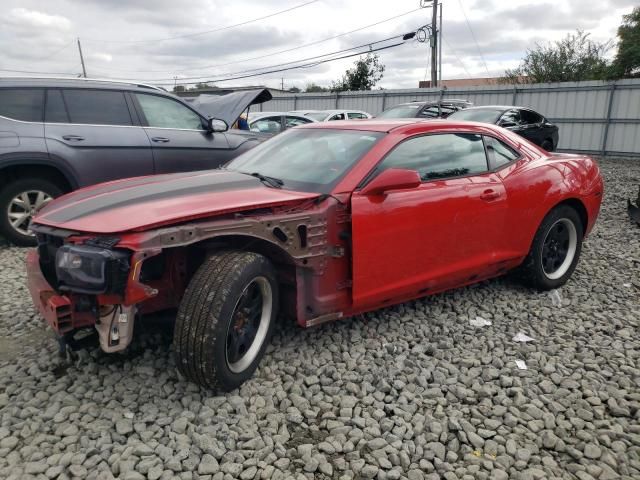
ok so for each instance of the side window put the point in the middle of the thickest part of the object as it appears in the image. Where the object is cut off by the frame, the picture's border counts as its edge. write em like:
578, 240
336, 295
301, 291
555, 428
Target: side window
164, 112
295, 121
24, 104
97, 107
337, 116
439, 156
499, 153
356, 115
510, 117
55, 110
530, 118
267, 125
429, 112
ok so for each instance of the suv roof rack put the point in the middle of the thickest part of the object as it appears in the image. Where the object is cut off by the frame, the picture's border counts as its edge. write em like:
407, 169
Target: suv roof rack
83, 79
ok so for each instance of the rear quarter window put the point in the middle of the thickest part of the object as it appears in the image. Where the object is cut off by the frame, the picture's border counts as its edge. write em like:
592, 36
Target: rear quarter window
25, 104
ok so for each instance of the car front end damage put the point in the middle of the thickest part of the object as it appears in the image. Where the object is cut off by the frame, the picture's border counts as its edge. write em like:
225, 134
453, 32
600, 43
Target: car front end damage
79, 281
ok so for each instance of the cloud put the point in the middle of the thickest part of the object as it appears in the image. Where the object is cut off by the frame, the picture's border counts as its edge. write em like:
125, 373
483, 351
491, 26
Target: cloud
23, 18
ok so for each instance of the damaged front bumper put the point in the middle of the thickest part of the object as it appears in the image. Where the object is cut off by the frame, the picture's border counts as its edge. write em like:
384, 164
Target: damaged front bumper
114, 323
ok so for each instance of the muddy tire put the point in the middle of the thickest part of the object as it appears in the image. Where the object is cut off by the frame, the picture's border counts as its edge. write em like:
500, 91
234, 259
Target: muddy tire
225, 319
555, 250
19, 200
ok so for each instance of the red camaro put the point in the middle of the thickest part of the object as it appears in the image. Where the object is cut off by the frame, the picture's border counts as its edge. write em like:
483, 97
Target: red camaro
322, 222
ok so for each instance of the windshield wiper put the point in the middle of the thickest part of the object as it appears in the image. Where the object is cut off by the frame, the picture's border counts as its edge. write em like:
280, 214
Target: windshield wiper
270, 181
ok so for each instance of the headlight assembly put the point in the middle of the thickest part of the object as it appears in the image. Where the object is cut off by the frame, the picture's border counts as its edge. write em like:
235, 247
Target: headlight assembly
93, 270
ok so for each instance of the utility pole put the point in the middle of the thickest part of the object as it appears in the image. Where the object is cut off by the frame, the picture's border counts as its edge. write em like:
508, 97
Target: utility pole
282, 84
434, 45
440, 48
84, 70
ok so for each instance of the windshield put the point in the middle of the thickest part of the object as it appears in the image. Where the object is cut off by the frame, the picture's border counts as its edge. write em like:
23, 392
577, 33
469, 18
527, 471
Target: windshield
319, 116
310, 160
401, 111
484, 115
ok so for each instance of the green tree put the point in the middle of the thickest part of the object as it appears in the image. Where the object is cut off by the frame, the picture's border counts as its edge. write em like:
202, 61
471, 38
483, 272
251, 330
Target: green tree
294, 90
627, 61
313, 88
574, 58
364, 75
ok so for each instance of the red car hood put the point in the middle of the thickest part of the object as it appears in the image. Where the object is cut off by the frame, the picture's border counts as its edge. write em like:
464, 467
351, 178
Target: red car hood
145, 202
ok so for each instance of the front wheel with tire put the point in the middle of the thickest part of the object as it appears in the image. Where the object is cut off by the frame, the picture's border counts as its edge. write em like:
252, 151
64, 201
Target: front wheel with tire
225, 319
19, 201
555, 249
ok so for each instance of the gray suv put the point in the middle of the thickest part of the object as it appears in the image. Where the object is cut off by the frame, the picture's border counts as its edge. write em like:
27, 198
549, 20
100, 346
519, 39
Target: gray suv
57, 135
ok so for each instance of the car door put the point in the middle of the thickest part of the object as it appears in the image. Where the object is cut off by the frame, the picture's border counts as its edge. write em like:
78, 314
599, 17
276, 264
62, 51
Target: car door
447, 232
94, 131
179, 139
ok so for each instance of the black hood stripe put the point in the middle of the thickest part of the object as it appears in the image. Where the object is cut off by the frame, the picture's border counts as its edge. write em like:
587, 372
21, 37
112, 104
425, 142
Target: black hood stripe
173, 186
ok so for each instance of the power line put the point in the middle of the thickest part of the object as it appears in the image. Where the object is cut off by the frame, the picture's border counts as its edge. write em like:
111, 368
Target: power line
220, 29
36, 73
307, 65
316, 42
474, 38
210, 75
455, 54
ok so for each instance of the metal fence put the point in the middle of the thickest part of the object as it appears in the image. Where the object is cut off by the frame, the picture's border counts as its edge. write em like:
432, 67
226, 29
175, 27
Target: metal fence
594, 117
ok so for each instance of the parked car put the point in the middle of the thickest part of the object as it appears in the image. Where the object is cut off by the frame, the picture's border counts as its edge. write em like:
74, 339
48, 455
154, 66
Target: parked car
330, 115
275, 122
304, 226
57, 135
524, 121
429, 109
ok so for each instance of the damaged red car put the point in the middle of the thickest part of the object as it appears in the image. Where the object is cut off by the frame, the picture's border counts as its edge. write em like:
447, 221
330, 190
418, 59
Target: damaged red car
322, 222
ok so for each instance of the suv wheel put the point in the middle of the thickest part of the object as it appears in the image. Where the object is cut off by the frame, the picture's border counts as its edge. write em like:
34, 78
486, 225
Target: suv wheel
225, 319
19, 201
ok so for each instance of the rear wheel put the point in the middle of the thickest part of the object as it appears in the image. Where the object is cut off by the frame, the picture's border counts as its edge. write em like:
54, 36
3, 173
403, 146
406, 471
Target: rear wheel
555, 249
225, 319
19, 201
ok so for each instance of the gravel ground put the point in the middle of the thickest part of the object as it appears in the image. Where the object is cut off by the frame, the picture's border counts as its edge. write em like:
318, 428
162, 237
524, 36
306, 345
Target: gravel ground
413, 391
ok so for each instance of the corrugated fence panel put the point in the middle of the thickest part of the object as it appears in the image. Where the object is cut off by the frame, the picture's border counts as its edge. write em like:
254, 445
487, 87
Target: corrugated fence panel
582, 110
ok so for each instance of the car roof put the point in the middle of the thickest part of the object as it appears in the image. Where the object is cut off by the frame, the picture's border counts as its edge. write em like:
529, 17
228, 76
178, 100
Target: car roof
257, 115
498, 107
63, 82
445, 101
400, 125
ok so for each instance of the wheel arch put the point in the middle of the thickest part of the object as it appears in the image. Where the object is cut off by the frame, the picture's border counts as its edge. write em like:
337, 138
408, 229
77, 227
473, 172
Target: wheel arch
579, 207
16, 169
285, 264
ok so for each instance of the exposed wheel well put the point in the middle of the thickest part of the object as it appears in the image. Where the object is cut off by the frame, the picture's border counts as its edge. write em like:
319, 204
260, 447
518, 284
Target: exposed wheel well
579, 207
15, 172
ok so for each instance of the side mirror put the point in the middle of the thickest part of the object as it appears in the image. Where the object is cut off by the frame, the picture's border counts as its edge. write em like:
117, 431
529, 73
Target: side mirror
216, 125
392, 179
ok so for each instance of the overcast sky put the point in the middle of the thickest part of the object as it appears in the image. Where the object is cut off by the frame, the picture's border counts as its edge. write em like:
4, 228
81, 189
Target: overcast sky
131, 38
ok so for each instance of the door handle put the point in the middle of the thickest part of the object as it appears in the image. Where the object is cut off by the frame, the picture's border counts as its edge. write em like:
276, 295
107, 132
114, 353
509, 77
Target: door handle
489, 195
73, 138
160, 139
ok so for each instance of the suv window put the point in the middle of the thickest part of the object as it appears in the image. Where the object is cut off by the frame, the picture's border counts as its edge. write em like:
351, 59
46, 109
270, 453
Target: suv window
529, 117
337, 116
356, 115
499, 153
97, 107
55, 110
164, 112
22, 103
439, 156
